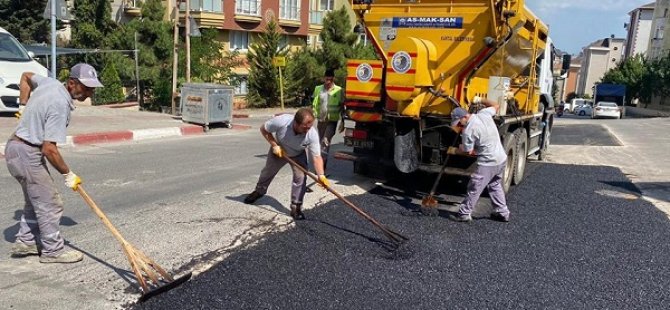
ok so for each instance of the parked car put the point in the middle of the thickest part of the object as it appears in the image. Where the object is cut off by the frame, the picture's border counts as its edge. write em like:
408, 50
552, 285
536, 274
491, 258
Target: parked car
14, 60
606, 109
583, 110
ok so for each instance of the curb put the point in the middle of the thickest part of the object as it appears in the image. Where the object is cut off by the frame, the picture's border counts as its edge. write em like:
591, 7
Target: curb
133, 135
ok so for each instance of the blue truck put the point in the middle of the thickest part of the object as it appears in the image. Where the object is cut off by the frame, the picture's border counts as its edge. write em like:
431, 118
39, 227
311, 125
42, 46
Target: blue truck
611, 92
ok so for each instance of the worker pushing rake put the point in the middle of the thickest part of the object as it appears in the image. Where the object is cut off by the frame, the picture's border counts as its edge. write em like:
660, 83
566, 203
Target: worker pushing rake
294, 134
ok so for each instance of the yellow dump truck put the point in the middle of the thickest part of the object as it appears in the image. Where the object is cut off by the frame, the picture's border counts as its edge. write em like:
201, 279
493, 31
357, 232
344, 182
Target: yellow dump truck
435, 55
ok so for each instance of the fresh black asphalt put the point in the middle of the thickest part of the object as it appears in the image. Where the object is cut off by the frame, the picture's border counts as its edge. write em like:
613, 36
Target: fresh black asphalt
579, 238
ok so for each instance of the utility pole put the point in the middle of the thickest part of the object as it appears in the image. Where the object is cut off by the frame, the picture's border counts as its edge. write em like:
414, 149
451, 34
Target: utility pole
175, 56
53, 39
187, 28
137, 71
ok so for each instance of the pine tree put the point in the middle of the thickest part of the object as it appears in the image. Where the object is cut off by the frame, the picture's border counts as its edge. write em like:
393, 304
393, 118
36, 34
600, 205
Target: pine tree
111, 92
263, 76
92, 23
210, 62
23, 19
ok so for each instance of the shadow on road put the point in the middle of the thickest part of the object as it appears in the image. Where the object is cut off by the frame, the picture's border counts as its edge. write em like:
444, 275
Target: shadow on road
125, 274
265, 201
10, 232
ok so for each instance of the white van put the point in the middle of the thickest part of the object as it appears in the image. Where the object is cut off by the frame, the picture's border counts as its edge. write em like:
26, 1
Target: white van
14, 60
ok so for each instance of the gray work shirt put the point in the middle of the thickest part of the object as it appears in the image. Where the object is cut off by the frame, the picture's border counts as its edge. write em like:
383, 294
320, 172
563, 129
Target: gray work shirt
47, 113
481, 134
293, 144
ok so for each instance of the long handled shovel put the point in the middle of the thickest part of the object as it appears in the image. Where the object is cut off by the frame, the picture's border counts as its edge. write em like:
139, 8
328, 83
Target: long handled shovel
142, 265
394, 236
428, 203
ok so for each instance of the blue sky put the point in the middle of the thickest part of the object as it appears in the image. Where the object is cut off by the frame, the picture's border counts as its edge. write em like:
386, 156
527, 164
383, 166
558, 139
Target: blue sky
576, 23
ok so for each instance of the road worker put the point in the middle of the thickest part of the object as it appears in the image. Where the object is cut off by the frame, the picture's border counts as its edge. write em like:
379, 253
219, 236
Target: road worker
328, 104
480, 138
293, 136
42, 126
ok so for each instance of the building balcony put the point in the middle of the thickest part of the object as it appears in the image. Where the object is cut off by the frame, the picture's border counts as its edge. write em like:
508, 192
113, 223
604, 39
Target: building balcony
132, 7
248, 18
290, 23
204, 18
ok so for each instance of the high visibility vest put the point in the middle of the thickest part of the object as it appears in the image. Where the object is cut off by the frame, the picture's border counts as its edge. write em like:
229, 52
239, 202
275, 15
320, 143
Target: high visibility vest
335, 100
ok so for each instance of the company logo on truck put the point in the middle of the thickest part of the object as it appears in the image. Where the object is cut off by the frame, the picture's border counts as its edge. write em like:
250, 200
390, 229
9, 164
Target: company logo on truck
364, 72
401, 62
428, 22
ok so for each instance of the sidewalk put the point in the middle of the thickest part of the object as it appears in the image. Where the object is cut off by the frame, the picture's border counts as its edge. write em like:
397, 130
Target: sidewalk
91, 125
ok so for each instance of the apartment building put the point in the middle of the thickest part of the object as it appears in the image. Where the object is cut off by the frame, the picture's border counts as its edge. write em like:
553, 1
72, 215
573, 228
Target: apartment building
639, 30
598, 58
659, 42
572, 79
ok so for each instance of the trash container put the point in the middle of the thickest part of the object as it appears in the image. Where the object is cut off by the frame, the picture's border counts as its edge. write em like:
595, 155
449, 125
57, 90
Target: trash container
207, 103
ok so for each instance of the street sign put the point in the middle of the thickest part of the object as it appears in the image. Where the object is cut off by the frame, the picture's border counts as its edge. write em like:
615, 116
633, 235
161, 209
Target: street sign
62, 11
279, 61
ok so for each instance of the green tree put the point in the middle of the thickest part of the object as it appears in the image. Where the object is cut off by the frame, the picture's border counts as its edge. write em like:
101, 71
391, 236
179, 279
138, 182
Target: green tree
91, 28
632, 72
305, 68
263, 76
112, 91
303, 73
23, 19
154, 37
210, 61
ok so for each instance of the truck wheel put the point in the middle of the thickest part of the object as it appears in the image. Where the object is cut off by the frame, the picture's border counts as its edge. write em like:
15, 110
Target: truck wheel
546, 141
522, 155
510, 149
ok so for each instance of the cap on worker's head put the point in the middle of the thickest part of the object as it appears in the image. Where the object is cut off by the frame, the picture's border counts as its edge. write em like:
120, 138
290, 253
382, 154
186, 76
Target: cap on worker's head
329, 73
86, 74
457, 114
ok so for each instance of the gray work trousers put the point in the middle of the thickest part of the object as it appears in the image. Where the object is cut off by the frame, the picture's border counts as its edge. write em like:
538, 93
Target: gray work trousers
43, 204
489, 177
272, 166
326, 132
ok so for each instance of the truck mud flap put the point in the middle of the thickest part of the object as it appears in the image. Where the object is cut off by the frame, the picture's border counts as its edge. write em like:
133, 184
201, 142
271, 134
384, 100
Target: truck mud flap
405, 154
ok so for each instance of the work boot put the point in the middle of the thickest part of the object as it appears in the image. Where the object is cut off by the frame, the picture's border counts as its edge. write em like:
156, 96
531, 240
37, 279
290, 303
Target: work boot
499, 217
20, 249
70, 256
251, 198
458, 217
296, 212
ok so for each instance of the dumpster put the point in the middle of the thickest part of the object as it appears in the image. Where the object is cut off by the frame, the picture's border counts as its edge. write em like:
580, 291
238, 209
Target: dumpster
207, 103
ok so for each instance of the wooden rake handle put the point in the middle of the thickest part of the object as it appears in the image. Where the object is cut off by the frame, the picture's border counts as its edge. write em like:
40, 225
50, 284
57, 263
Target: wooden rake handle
394, 236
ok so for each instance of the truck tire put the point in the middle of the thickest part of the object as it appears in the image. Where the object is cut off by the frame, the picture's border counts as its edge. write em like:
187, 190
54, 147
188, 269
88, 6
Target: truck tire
546, 140
522, 155
509, 145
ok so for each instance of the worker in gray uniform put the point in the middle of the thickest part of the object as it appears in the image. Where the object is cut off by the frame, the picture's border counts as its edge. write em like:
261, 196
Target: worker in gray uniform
480, 138
292, 136
42, 126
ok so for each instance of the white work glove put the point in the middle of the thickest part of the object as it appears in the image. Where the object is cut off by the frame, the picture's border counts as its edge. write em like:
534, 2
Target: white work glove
277, 151
72, 180
477, 100
20, 112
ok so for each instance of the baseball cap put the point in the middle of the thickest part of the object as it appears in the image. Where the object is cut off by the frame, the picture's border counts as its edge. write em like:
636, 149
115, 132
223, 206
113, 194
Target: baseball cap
457, 114
86, 74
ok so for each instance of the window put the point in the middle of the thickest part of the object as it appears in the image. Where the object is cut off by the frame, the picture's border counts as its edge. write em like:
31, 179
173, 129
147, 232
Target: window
242, 89
239, 40
289, 9
248, 7
203, 5
327, 5
309, 40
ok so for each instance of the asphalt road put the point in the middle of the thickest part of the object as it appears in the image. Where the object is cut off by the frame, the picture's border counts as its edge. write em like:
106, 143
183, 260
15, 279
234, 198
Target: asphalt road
592, 243
588, 243
580, 237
